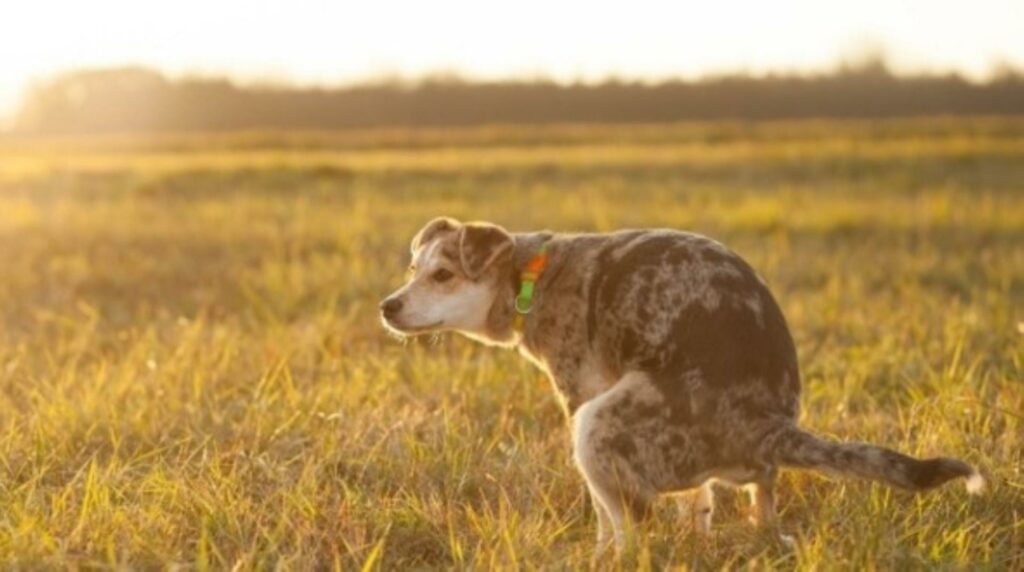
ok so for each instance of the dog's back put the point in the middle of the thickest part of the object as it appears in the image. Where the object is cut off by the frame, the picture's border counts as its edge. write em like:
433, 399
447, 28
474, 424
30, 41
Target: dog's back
698, 320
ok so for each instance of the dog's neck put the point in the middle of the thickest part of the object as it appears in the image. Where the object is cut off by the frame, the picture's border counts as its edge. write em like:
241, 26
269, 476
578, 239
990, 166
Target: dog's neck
526, 247
500, 320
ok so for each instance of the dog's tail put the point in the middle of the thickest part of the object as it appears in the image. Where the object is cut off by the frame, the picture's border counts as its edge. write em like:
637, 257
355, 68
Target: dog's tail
790, 446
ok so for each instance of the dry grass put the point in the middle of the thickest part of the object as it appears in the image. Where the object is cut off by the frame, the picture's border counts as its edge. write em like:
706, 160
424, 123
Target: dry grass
191, 370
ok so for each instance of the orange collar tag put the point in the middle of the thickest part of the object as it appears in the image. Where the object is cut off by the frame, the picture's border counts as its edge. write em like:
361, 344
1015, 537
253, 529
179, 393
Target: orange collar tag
529, 277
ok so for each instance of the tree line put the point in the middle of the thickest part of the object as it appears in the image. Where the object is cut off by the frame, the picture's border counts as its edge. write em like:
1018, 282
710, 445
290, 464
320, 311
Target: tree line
144, 100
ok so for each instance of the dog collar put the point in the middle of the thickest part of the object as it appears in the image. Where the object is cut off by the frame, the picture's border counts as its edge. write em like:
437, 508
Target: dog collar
531, 273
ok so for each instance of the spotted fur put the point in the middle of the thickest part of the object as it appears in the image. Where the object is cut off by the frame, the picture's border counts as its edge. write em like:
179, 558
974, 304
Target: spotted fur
672, 359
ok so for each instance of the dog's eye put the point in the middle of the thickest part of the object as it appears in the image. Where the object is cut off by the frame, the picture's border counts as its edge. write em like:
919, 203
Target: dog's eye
442, 275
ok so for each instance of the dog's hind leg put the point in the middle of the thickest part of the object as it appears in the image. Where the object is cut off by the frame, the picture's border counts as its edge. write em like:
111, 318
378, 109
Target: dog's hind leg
699, 508
762, 499
704, 509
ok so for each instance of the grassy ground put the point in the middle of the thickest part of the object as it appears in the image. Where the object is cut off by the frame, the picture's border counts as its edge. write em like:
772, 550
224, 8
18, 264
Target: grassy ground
192, 372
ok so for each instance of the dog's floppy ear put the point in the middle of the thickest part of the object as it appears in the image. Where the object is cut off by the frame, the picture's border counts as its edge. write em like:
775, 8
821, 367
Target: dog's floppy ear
432, 229
481, 245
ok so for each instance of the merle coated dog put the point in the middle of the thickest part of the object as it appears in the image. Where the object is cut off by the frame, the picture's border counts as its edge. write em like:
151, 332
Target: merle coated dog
670, 355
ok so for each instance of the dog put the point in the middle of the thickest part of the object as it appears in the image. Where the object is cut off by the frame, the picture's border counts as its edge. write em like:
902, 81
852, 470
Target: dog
669, 354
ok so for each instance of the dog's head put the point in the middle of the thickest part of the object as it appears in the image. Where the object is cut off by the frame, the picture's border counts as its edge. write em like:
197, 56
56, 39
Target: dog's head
455, 277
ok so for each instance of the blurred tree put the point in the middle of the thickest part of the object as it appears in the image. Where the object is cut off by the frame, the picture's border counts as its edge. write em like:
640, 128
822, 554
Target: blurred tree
141, 100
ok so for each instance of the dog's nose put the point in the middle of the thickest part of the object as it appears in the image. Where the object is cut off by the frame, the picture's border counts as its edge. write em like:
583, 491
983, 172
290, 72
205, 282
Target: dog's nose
391, 306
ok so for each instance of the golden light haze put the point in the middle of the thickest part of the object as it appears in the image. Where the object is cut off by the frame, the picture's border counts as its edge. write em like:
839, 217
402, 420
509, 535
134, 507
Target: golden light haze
317, 41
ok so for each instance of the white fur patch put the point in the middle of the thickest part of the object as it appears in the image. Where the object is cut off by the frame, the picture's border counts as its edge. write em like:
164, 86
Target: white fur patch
975, 483
582, 425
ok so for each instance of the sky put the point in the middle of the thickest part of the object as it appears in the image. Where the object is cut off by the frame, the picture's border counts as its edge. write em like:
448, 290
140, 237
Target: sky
337, 42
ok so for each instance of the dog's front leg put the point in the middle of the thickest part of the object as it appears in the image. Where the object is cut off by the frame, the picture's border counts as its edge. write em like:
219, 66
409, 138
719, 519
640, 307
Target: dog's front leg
614, 479
604, 525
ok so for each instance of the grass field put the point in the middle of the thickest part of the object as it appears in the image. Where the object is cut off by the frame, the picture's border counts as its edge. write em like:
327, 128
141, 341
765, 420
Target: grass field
192, 371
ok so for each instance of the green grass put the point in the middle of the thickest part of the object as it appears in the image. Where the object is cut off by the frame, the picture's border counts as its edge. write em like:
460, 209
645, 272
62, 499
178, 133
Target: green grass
192, 372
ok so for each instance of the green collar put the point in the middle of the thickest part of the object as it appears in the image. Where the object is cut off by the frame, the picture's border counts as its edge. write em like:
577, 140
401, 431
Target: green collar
528, 279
